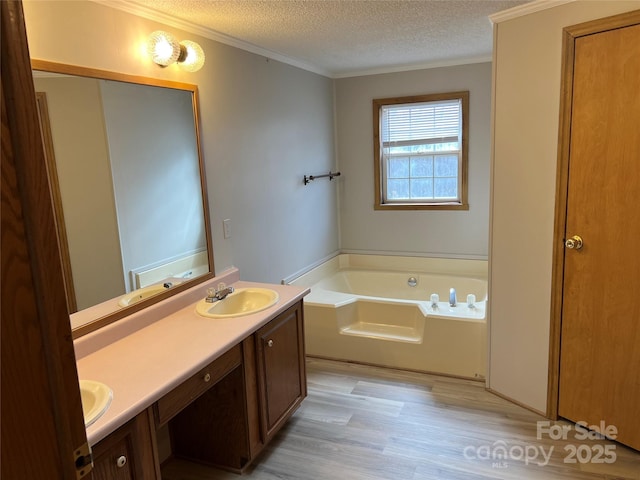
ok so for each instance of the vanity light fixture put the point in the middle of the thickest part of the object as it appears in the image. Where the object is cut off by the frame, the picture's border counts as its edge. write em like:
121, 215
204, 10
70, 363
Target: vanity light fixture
164, 50
191, 57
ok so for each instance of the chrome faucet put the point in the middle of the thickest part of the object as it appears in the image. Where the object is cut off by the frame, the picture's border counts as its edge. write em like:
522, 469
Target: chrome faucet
221, 293
452, 297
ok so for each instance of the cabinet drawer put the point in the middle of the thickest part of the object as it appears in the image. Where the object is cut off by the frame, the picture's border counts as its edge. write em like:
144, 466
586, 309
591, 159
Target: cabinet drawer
176, 400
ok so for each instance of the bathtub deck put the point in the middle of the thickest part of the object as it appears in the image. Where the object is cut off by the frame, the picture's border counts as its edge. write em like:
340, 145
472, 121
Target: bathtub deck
366, 423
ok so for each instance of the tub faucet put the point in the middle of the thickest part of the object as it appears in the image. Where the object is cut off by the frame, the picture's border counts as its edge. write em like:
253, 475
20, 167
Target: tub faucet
452, 297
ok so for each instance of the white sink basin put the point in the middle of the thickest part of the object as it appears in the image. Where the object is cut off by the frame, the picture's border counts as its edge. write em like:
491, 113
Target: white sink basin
96, 398
244, 301
141, 294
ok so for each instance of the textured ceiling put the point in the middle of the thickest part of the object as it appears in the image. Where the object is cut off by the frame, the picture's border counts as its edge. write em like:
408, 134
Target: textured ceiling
349, 37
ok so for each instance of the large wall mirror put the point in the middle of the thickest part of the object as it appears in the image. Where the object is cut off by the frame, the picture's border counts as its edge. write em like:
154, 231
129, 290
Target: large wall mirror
128, 189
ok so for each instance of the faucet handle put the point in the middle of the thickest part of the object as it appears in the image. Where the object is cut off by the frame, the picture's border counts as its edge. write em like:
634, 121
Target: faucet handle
435, 298
211, 294
222, 286
471, 300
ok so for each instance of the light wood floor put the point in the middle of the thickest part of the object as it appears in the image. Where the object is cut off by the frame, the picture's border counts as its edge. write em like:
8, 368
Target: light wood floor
365, 423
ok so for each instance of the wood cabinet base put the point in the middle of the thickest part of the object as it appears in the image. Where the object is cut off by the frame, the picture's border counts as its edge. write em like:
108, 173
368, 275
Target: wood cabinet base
129, 453
225, 414
229, 424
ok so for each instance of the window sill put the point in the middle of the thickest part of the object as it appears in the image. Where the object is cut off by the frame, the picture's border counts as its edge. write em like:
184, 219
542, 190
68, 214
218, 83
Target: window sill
421, 206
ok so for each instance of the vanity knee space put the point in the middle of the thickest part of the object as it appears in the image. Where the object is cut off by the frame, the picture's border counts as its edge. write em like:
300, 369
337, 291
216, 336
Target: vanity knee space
227, 412
258, 385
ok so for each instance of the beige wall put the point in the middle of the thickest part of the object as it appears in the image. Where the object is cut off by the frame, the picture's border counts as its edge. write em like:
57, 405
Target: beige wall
84, 174
527, 64
264, 125
453, 233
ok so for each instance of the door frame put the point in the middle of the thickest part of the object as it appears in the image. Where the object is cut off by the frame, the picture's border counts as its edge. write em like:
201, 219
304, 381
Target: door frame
42, 105
569, 37
43, 433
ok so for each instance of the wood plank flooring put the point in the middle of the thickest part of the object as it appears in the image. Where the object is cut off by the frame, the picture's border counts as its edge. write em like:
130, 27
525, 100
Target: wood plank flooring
366, 423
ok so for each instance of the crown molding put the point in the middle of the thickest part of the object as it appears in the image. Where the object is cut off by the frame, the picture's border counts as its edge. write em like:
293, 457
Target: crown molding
150, 14
170, 21
526, 9
421, 66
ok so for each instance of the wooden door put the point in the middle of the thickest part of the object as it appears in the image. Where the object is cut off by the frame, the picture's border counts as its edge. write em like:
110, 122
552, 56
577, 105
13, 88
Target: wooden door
42, 424
600, 333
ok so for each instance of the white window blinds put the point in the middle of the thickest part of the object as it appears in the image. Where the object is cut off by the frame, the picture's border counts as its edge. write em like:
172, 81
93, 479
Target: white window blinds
421, 123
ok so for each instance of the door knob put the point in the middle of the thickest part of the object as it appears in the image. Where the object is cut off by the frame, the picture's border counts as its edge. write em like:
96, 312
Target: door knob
574, 242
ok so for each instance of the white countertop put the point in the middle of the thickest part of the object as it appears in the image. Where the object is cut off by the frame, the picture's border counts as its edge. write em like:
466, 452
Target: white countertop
143, 366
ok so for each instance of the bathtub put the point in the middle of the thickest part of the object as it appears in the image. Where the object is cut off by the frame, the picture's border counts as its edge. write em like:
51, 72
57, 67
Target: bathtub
378, 310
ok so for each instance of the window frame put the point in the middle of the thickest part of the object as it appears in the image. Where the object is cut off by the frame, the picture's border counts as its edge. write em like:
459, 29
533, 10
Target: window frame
380, 178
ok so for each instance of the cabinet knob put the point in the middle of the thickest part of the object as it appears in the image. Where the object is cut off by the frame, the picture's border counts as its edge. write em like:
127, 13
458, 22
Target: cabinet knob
270, 343
122, 461
207, 377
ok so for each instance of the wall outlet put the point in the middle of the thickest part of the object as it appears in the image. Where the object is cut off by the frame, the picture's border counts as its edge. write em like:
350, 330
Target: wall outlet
226, 228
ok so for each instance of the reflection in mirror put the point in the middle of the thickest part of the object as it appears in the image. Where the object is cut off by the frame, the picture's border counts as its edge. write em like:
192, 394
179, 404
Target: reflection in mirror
127, 186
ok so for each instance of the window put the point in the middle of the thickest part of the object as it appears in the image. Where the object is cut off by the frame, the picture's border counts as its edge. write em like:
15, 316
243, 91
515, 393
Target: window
420, 152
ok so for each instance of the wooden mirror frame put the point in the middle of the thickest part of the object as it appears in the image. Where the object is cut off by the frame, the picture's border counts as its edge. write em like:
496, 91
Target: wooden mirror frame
123, 312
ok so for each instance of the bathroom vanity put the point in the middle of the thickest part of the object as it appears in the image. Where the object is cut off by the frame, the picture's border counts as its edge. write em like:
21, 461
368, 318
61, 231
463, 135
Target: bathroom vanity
221, 405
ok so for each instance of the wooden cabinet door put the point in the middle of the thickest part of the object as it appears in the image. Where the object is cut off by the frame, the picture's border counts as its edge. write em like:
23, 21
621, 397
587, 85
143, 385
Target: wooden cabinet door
128, 453
281, 368
115, 462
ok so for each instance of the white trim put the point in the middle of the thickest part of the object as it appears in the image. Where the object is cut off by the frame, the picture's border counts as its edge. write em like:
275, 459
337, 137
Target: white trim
308, 268
338, 253
456, 256
525, 9
150, 14
420, 66
494, 76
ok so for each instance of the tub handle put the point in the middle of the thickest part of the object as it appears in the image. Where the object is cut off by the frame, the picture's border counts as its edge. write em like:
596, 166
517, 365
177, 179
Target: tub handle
270, 343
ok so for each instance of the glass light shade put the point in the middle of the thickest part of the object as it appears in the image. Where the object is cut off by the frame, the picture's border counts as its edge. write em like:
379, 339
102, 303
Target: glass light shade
163, 48
194, 56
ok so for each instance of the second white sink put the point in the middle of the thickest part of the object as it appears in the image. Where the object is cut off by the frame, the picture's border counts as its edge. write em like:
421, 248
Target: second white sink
141, 294
96, 398
244, 301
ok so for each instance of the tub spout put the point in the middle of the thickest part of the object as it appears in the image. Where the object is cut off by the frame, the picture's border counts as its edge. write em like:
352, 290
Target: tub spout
452, 297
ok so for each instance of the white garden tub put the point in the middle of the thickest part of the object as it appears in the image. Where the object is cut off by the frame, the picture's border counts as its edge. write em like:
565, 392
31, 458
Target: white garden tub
378, 310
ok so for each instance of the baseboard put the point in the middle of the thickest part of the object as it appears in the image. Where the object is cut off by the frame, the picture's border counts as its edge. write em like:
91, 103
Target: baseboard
409, 370
516, 402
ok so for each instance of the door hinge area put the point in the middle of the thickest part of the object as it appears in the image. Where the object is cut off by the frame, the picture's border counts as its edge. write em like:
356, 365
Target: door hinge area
83, 459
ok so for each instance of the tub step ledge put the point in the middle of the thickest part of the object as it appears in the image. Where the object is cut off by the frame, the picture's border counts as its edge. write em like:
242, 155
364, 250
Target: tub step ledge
394, 333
